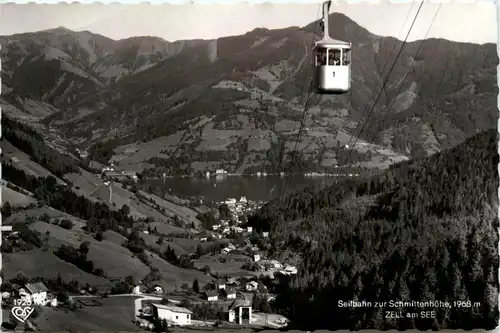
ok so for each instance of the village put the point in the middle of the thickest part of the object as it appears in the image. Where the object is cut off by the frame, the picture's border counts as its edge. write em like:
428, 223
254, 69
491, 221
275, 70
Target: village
242, 297
228, 299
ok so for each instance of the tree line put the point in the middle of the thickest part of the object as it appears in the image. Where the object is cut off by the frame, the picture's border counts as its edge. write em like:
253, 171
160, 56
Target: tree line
425, 229
32, 143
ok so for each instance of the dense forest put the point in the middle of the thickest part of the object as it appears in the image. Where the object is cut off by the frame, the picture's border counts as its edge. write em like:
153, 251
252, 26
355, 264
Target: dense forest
423, 230
32, 143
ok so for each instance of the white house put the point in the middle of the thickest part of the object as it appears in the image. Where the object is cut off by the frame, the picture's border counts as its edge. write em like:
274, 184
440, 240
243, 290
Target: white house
256, 257
249, 229
291, 269
211, 296
158, 290
231, 201
265, 234
221, 284
251, 286
174, 315
230, 293
53, 302
240, 312
243, 200
276, 263
137, 290
38, 292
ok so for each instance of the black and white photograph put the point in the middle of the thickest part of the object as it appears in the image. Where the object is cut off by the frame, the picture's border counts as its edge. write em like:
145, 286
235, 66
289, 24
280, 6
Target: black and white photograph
245, 168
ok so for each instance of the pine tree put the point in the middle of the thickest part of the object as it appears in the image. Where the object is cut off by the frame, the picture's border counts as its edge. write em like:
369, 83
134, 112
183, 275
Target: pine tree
196, 286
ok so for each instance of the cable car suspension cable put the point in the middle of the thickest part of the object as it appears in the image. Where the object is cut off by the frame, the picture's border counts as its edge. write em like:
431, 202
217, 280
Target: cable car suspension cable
304, 112
382, 71
351, 147
386, 113
371, 98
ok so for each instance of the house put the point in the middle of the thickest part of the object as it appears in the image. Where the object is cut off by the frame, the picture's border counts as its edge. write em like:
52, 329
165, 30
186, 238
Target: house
230, 293
251, 286
265, 234
158, 290
137, 290
221, 284
38, 292
250, 229
275, 263
231, 201
53, 302
239, 312
243, 200
225, 250
174, 315
256, 257
291, 269
211, 296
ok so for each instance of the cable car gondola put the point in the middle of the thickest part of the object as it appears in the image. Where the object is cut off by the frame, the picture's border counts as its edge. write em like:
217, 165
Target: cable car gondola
332, 61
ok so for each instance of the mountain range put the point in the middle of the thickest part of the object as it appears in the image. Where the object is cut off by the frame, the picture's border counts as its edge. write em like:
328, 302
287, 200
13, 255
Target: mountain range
236, 102
422, 229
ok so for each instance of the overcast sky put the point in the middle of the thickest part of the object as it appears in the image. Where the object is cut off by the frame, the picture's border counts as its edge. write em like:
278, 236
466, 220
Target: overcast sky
471, 22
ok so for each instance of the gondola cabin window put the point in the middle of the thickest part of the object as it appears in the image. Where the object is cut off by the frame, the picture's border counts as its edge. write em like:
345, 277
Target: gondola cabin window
336, 57
321, 57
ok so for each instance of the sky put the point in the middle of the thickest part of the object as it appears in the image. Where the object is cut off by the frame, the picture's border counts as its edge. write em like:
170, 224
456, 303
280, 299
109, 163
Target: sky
474, 22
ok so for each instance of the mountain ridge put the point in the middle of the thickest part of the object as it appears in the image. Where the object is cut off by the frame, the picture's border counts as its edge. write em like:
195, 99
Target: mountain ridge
259, 78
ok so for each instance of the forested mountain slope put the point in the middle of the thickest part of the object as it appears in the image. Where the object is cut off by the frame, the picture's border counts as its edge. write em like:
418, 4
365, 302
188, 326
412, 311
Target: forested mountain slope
422, 230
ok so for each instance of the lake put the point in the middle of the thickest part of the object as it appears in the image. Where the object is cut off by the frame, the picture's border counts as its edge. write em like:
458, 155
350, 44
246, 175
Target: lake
219, 188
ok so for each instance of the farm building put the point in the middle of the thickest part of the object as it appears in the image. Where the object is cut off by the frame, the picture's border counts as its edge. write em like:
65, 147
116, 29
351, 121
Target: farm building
239, 312
174, 315
221, 284
211, 296
158, 290
230, 293
251, 286
38, 292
